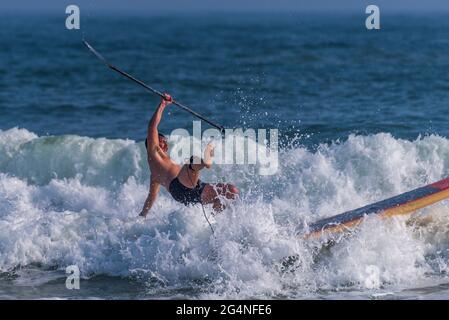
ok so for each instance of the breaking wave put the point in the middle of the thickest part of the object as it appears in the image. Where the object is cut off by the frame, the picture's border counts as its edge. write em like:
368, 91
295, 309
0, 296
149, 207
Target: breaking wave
71, 200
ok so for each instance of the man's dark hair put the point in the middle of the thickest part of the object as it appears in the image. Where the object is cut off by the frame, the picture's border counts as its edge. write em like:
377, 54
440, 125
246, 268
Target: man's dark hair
146, 140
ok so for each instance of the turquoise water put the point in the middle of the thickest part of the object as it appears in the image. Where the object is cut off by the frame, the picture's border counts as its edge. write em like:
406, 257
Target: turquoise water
362, 116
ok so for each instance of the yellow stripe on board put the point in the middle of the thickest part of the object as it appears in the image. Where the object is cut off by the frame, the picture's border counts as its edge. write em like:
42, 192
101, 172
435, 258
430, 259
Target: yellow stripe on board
416, 204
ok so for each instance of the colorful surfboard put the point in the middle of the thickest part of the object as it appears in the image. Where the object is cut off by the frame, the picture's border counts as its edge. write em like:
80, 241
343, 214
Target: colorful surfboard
399, 205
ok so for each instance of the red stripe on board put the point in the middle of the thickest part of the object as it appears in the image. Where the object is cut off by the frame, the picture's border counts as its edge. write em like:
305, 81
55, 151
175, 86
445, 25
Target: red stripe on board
442, 185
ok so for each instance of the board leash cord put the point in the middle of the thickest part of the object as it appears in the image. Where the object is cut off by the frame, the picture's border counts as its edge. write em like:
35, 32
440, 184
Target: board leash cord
202, 206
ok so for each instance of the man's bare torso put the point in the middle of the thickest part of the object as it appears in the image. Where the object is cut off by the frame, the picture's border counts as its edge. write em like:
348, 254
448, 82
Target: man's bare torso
163, 169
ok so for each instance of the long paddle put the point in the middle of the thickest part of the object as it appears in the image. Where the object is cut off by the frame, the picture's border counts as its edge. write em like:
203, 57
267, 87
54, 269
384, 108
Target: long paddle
130, 77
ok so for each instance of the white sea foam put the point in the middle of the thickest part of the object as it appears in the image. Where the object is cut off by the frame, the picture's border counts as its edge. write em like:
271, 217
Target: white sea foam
74, 200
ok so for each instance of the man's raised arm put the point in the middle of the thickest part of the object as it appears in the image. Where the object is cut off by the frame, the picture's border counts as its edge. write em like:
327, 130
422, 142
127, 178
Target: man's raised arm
152, 134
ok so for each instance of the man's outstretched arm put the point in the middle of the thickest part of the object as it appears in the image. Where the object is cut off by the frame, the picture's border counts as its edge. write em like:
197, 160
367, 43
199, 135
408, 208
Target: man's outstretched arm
152, 134
151, 198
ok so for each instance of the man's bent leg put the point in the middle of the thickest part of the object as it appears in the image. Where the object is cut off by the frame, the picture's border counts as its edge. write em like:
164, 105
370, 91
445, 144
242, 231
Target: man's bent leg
213, 192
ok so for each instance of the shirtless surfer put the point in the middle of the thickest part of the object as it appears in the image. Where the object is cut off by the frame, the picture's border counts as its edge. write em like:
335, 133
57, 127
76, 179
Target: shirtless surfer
182, 182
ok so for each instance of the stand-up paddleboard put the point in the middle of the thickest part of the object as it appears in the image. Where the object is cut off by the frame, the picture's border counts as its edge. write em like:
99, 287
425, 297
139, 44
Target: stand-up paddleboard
399, 205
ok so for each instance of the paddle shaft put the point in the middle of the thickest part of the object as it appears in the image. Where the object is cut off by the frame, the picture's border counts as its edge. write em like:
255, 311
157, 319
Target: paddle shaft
147, 87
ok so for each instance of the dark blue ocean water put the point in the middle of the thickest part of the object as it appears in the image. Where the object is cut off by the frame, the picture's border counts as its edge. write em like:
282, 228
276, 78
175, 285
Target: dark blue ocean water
314, 74
370, 108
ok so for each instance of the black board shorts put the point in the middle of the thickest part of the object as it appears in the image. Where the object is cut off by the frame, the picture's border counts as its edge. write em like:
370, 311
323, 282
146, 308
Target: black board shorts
186, 196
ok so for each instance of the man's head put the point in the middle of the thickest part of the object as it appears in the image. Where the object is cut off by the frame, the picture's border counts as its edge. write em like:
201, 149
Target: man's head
163, 143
